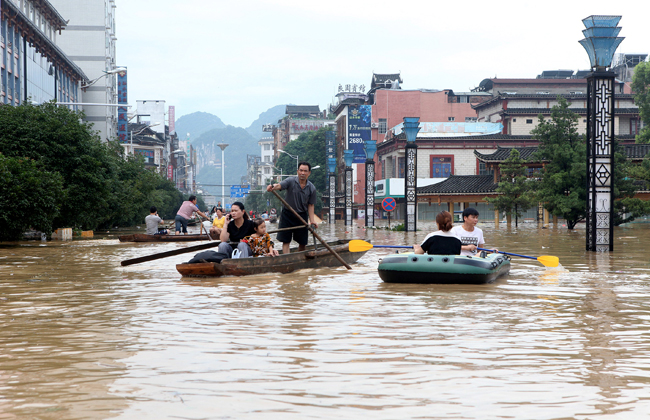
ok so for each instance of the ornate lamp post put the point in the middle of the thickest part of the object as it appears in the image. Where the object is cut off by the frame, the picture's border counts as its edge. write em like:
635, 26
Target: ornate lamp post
370, 147
411, 129
348, 155
331, 164
600, 43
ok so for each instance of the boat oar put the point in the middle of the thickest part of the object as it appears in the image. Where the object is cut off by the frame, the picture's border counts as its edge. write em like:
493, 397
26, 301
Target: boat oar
357, 245
329, 248
546, 260
169, 253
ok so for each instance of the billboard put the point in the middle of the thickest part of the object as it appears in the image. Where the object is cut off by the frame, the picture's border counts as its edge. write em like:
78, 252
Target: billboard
358, 130
122, 99
172, 120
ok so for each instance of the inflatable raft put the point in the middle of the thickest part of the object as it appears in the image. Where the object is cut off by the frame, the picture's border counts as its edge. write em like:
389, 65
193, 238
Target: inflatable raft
442, 269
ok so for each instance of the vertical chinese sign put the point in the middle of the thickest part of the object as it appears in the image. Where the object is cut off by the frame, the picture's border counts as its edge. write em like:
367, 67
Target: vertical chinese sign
358, 130
122, 100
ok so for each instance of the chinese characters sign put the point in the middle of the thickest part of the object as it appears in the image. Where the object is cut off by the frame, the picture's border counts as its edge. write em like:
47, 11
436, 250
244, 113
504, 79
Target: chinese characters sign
122, 99
358, 130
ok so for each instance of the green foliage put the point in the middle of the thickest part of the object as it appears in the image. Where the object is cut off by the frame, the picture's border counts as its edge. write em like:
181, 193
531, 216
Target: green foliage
563, 185
516, 189
100, 186
641, 89
257, 201
30, 196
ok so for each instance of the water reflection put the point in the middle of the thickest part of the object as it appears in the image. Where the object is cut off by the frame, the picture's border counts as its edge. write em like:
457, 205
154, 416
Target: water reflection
86, 338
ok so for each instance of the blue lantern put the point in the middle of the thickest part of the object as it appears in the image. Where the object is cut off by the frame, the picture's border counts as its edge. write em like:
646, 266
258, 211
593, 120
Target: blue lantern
370, 147
348, 156
331, 164
411, 128
601, 39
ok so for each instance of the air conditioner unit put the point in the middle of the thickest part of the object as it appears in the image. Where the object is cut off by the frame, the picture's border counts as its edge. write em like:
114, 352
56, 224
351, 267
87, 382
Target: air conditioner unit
374, 125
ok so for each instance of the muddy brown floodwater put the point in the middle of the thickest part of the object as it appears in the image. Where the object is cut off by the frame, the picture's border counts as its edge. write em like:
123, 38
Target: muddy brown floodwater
84, 338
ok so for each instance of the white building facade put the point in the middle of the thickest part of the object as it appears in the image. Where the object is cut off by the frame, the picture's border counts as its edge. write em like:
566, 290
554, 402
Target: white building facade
266, 153
89, 41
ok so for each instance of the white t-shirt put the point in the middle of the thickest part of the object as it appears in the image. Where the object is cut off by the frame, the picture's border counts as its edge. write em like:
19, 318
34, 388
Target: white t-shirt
474, 237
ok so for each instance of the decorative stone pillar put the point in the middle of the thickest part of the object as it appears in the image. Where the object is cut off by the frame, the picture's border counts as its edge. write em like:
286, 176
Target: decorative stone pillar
331, 163
411, 129
348, 155
370, 147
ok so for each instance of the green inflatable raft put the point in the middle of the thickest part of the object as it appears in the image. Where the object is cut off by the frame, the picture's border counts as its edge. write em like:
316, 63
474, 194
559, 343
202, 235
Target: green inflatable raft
442, 269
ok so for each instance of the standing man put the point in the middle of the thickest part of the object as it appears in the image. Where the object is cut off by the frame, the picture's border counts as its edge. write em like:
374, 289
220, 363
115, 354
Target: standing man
470, 235
301, 196
185, 214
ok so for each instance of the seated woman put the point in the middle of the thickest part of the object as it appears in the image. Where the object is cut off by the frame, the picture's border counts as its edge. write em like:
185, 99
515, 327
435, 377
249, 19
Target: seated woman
260, 242
236, 227
217, 224
443, 241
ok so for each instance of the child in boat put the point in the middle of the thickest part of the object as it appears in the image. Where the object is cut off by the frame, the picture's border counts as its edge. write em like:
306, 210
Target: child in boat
260, 241
443, 241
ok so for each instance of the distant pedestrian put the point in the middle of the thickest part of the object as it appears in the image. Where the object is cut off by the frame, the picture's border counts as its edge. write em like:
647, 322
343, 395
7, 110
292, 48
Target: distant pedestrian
152, 221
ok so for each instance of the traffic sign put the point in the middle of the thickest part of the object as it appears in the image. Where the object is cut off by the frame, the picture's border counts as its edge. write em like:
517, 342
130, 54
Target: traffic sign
239, 191
388, 204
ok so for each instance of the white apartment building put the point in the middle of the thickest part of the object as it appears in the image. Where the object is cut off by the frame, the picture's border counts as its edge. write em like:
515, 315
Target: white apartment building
266, 153
89, 41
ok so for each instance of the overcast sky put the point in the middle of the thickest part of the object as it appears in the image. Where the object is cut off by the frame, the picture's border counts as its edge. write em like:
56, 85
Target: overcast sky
236, 59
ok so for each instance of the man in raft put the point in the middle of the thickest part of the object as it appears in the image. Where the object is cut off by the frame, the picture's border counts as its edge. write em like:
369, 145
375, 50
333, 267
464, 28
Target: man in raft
470, 235
301, 196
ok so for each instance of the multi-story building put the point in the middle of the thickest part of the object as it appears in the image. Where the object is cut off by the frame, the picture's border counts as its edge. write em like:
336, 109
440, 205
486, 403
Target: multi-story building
32, 66
266, 155
299, 119
89, 40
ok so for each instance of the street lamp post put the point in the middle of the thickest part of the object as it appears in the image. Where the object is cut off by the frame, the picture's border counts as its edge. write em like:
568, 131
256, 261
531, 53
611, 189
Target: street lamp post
600, 42
370, 147
348, 156
411, 129
293, 157
223, 146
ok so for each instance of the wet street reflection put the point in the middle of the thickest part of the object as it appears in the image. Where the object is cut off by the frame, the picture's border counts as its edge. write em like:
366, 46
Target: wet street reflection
84, 338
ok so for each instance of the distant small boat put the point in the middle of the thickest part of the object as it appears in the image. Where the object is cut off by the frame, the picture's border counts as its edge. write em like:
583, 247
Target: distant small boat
284, 263
142, 237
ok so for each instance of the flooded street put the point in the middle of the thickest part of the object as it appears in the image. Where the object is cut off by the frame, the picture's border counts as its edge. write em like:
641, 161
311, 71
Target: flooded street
84, 338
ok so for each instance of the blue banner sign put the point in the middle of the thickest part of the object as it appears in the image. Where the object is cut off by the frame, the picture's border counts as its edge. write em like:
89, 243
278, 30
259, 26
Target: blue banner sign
358, 130
122, 99
239, 191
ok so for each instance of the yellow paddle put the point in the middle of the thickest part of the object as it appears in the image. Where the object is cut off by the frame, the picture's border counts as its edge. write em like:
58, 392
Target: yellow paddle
357, 245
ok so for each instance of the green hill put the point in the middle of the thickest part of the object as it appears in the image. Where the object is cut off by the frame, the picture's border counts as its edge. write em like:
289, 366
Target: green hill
196, 124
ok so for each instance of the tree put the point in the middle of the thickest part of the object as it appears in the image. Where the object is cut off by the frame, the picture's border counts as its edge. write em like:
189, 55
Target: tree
563, 185
515, 188
641, 89
30, 196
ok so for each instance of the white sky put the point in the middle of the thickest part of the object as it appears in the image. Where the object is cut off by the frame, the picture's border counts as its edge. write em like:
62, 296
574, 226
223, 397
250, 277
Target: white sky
237, 58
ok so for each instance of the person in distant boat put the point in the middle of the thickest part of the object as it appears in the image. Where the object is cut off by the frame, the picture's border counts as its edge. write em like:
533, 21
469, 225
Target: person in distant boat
152, 221
236, 227
301, 196
470, 235
217, 224
442, 241
260, 241
185, 214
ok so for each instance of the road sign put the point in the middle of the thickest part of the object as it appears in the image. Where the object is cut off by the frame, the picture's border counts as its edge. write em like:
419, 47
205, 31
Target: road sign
239, 191
388, 204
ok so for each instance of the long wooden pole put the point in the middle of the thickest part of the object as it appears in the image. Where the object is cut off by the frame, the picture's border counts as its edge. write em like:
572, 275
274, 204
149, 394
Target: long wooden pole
329, 248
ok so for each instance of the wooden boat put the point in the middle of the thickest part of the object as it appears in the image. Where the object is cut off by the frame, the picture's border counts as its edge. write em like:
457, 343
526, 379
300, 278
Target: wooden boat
442, 269
142, 237
284, 263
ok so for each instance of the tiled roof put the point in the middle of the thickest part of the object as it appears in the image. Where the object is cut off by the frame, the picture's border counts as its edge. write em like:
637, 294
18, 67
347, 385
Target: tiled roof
382, 78
461, 184
541, 81
301, 109
637, 151
503, 153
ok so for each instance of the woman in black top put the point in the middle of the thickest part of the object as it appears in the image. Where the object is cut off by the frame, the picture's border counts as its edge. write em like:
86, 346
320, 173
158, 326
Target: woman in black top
443, 241
236, 227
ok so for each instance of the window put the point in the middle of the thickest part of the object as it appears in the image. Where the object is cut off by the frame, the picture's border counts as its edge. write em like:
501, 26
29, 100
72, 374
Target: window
400, 165
441, 166
483, 170
470, 119
267, 147
267, 158
383, 169
543, 92
451, 118
529, 121
267, 171
514, 120
382, 126
462, 99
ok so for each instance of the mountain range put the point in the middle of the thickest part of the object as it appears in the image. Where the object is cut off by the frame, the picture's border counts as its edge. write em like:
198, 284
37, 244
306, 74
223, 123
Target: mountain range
206, 130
